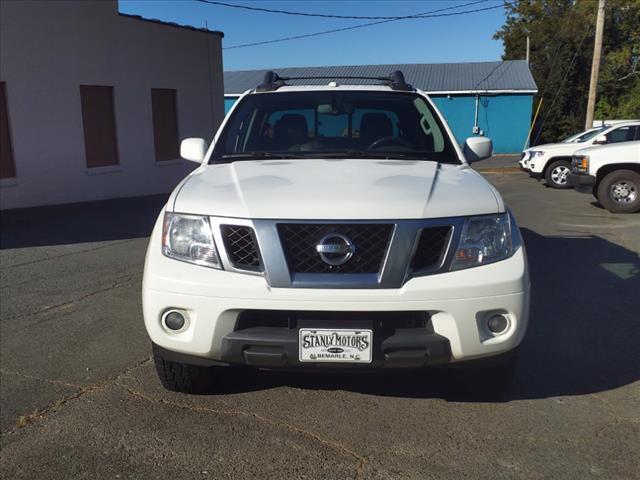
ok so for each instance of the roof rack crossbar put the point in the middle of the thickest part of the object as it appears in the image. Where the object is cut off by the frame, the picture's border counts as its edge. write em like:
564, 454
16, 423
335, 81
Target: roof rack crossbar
333, 77
272, 81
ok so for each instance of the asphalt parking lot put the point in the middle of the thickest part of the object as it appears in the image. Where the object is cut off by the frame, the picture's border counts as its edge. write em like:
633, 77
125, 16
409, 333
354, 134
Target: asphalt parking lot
80, 399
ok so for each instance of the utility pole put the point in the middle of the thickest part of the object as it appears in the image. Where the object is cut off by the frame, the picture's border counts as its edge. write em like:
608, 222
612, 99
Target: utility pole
595, 66
527, 50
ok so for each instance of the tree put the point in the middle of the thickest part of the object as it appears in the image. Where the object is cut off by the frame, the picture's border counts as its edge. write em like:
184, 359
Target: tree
562, 36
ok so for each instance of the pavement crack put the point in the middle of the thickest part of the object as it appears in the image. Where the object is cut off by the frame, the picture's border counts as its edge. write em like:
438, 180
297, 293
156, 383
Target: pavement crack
361, 461
118, 283
39, 413
62, 255
40, 379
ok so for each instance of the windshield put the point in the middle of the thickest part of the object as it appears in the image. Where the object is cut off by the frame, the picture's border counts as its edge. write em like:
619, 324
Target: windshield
584, 136
342, 124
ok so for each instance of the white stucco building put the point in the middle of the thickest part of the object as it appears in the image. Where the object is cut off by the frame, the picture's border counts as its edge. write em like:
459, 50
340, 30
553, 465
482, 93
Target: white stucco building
93, 103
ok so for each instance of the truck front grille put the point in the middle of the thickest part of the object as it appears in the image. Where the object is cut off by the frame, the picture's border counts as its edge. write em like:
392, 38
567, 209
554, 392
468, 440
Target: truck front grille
241, 246
299, 241
431, 249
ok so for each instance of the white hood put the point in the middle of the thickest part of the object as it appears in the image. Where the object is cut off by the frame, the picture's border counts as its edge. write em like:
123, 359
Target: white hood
336, 189
559, 147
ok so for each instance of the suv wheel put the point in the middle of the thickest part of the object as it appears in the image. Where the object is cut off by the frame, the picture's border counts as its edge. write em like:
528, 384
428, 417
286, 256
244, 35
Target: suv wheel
619, 191
180, 377
557, 174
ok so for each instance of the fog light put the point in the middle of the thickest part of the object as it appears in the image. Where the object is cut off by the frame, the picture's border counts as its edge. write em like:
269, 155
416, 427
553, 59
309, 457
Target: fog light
497, 323
174, 320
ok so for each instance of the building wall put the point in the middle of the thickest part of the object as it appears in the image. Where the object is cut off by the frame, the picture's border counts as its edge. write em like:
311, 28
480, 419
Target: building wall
504, 118
48, 49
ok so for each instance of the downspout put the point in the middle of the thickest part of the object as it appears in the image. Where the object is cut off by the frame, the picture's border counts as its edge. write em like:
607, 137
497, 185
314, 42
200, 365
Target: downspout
475, 129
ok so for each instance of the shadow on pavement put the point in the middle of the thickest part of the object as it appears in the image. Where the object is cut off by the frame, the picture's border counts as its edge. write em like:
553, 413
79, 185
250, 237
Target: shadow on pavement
583, 336
118, 219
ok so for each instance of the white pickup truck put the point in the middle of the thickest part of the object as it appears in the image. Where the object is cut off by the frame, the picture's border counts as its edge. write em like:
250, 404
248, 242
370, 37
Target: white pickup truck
611, 173
334, 226
553, 161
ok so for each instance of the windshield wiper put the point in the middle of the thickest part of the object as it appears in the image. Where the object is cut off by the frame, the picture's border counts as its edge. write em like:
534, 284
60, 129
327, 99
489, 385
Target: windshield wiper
258, 155
417, 155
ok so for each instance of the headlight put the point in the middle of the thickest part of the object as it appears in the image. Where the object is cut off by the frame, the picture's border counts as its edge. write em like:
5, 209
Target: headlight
484, 240
189, 238
580, 164
536, 153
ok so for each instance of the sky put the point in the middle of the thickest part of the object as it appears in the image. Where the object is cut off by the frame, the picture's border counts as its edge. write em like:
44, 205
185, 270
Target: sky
462, 38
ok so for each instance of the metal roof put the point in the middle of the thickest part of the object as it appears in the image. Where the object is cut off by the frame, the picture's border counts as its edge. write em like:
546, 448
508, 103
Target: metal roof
505, 76
170, 24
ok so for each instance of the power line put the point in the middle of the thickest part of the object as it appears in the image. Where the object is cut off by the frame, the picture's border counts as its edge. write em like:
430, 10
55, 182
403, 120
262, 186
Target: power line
485, 78
566, 74
319, 15
432, 14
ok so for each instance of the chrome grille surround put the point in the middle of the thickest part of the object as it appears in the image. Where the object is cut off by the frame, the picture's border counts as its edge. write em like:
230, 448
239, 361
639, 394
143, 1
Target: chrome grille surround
396, 268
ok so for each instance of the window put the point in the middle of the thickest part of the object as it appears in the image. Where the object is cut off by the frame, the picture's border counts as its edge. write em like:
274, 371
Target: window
165, 124
98, 121
622, 134
7, 167
347, 123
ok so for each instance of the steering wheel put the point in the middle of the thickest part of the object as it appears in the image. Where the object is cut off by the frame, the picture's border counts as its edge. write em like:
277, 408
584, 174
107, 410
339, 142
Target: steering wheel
388, 141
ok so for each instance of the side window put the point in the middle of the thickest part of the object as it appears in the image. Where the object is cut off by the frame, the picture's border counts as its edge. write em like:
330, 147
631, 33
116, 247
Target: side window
429, 127
622, 134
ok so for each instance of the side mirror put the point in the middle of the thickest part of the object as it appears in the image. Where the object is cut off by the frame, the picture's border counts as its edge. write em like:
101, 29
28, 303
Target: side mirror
477, 148
193, 149
600, 140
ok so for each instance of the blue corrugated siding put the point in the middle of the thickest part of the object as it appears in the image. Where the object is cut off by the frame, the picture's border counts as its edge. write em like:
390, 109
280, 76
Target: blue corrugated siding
228, 103
503, 118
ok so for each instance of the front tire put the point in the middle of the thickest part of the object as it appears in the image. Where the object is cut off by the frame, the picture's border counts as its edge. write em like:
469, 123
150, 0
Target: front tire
180, 377
557, 174
619, 191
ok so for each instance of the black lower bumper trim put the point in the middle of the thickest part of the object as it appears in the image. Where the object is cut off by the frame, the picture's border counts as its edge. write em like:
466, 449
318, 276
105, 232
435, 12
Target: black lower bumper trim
277, 347
581, 182
188, 359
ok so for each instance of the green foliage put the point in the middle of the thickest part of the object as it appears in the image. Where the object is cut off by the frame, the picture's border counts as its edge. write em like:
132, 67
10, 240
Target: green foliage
562, 36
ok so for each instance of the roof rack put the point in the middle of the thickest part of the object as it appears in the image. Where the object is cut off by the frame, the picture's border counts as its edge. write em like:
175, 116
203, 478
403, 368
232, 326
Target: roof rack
272, 81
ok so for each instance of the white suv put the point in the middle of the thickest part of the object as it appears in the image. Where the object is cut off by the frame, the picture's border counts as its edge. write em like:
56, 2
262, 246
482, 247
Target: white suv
553, 161
611, 173
333, 226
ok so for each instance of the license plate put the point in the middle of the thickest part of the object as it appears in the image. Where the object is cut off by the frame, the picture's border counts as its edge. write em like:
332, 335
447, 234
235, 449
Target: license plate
334, 345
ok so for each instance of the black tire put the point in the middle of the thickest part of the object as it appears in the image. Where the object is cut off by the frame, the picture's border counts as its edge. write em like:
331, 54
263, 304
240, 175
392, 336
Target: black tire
616, 190
180, 377
556, 174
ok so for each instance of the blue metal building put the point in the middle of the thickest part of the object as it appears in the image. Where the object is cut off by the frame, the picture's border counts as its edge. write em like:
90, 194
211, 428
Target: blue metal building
494, 97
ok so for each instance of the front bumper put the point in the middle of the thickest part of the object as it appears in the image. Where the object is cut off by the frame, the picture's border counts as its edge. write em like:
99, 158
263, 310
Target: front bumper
581, 182
457, 305
277, 347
